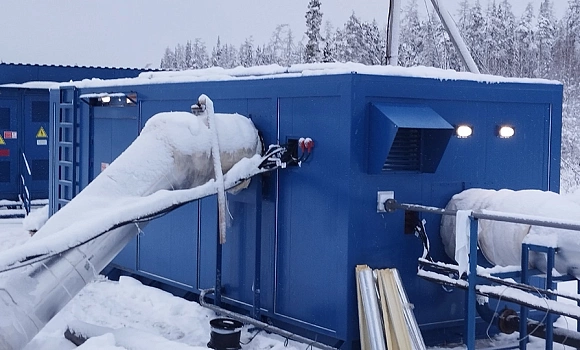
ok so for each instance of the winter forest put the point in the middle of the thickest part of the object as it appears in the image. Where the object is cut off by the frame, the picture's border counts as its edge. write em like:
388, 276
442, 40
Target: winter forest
534, 44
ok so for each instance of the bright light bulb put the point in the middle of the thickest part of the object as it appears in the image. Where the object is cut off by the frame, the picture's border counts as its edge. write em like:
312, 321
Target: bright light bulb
463, 131
506, 132
106, 99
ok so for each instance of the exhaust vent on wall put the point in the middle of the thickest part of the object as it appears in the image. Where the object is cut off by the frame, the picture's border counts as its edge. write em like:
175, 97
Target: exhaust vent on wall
404, 137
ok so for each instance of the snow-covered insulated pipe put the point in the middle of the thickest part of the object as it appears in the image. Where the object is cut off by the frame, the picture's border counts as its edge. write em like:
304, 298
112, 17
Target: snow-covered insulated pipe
172, 152
501, 242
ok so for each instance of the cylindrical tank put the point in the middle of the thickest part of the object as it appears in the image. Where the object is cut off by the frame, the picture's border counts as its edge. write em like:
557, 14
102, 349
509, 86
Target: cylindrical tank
172, 152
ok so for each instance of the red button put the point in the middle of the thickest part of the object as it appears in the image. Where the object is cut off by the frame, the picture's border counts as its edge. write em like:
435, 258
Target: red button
4, 152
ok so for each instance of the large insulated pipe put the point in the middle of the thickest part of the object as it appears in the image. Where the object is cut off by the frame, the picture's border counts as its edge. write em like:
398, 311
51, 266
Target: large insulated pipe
172, 152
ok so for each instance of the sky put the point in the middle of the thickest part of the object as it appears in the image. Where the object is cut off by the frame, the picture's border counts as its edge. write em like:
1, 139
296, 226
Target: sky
135, 33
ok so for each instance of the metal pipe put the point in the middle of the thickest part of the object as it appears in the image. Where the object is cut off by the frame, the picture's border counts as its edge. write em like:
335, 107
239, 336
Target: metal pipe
455, 36
258, 252
508, 322
393, 32
497, 280
392, 205
264, 326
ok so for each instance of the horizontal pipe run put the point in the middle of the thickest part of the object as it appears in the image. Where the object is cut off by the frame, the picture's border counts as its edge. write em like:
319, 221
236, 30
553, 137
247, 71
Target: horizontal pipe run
392, 205
491, 294
259, 324
494, 279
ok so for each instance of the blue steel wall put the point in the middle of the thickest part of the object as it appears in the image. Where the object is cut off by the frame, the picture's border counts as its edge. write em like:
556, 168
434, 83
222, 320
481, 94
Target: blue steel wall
319, 221
21, 73
304, 258
530, 159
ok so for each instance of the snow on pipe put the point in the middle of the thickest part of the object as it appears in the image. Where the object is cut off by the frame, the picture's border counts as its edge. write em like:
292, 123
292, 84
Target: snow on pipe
172, 152
455, 35
501, 242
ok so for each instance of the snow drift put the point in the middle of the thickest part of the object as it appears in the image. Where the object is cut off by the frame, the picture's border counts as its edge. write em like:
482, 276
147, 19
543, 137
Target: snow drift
500, 242
173, 152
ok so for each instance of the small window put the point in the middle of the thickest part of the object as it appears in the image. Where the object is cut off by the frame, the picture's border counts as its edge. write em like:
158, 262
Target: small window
5, 119
40, 111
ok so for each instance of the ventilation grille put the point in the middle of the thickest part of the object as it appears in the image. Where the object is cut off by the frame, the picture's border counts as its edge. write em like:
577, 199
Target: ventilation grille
405, 153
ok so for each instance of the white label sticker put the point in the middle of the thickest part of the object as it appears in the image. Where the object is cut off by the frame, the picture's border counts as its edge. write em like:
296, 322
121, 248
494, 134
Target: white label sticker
41, 142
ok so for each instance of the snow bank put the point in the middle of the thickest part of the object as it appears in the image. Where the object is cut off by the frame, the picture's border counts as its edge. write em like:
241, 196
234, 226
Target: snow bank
500, 242
34, 221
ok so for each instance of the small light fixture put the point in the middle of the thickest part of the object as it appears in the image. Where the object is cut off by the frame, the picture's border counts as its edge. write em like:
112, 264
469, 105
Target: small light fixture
463, 131
105, 99
506, 131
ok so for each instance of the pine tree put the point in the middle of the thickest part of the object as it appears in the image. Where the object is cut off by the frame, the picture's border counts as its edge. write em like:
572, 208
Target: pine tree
313, 24
217, 55
188, 55
475, 35
200, 58
545, 36
411, 44
247, 52
526, 52
288, 55
353, 39
168, 60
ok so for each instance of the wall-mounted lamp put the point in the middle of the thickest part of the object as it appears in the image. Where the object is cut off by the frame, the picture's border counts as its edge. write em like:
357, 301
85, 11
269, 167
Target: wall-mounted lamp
463, 131
505, 131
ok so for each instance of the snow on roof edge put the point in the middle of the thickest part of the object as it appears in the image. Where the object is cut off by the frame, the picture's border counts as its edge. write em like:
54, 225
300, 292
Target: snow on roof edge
45, 85
298, 70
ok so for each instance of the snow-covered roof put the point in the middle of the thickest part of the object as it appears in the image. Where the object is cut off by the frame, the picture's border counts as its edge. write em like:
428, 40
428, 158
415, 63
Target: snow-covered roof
299, 70
45, 85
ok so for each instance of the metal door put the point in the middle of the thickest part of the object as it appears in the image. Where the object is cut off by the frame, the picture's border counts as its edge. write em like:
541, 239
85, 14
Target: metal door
35, 144
9, 180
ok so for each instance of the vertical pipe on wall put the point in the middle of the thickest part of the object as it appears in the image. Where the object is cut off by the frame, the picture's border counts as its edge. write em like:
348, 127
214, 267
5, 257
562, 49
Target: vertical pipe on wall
258, 251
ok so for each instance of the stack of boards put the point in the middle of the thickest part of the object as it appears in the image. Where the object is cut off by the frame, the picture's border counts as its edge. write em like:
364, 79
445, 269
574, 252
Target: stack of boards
386, 319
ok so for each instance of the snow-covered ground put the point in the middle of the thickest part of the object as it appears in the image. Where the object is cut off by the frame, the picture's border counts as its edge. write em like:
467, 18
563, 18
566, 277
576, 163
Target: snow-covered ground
139, 317
135, 316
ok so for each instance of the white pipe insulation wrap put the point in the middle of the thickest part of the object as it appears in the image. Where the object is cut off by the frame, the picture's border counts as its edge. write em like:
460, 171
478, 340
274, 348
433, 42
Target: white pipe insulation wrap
173, 152
501, 242
215, 154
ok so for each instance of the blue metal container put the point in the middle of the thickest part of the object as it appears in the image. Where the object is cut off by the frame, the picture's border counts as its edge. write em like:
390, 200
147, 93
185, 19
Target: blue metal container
24, 127
315, 223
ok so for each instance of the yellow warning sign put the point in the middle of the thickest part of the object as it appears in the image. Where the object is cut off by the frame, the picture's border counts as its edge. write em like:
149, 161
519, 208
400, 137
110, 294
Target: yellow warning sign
41, 133
2, 141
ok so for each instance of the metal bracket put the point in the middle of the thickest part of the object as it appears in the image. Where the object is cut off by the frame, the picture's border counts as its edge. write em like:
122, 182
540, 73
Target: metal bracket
382, 197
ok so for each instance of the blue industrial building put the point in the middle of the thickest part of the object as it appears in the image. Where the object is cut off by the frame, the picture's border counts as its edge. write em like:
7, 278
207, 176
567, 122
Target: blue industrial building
24, 115
308, 227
